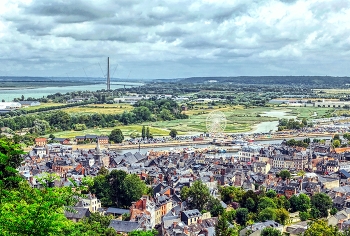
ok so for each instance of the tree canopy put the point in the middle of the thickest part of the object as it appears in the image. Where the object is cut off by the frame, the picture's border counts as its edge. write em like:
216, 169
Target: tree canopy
118, 188
197, 195
321, 228
322, 202
269, 231
116, 136
39, 211
10, 159
284, 174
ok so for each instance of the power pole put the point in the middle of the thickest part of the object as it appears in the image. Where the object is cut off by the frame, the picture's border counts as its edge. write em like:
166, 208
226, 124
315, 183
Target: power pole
108, 77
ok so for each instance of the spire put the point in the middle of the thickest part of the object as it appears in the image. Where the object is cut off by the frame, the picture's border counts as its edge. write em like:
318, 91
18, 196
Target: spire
98, 148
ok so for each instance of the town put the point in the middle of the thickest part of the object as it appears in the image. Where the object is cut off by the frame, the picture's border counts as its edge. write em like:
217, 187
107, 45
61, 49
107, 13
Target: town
126, 163
285, 172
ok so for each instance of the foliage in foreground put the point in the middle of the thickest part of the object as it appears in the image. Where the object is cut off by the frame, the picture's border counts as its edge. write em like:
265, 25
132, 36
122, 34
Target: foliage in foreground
30, 211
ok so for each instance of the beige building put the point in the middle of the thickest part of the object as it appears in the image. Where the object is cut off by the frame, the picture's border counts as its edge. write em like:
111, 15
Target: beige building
261, 167
90, 202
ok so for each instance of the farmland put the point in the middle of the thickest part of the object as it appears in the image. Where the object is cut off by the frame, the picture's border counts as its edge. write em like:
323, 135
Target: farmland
99, 108
239, 119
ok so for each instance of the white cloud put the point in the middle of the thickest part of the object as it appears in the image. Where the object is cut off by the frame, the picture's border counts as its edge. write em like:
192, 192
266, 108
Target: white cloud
166, 39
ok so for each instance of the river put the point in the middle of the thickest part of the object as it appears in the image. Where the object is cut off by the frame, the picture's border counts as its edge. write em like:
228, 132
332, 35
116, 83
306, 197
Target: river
9, 95
228, 154
271, 126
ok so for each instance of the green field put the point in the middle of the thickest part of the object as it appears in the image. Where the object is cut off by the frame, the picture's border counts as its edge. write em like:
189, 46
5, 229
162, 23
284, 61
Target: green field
127, 130
311, 112
239, 119
99, 108
43, 105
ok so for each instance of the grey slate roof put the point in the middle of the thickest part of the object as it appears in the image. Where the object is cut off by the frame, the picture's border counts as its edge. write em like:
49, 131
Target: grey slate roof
78, 213
117, 211
124, 226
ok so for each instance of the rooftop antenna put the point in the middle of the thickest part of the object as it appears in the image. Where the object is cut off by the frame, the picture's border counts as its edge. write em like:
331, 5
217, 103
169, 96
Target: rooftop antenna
108, 76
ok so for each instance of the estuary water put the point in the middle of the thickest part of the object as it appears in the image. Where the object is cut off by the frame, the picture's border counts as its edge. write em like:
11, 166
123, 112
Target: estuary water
9, 95
267, 126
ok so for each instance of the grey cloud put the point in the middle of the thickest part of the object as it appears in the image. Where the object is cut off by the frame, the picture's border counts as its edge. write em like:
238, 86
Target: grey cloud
227, 13
68, 11
200, 43
105, 33
34, 28
289, 1
229, 54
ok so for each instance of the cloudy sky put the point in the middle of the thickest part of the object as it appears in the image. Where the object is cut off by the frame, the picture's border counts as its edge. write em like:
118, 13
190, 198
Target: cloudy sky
174, 38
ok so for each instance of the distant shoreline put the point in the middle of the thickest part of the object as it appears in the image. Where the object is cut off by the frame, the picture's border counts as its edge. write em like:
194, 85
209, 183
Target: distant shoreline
16, 88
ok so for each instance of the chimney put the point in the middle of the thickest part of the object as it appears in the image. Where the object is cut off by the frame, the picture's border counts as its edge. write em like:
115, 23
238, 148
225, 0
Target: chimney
174, 224
144, 200
199, 221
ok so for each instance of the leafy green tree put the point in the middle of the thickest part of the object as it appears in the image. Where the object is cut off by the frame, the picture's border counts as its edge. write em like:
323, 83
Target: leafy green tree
148, 134
79, 127
346, 136
215, 207
30, 211
198, 195
294, 203
266, 202
95, 224
304, 215
143, 132
10, 160
230, 215
184, 193
134, 135
284, 174
322, 202
133, 189
231, 194
165, 114
242, 216
336, 143
173, 133
282, 216
300, 203
250, 205
315, 213
282, 202
271, 194
267, 214
142, 113
40, 127
321, 228
143, 233
248, 194
222, 228
118, 188
333, 211
304, 202
269, 231
116, 136
102, 189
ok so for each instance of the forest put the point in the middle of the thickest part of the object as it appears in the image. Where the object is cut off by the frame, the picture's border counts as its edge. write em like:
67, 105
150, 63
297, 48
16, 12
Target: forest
44, 122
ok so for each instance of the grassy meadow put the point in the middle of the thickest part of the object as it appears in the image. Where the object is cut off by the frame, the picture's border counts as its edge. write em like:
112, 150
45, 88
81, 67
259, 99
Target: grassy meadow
43, 105
239, 118
100, 108
127, 130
